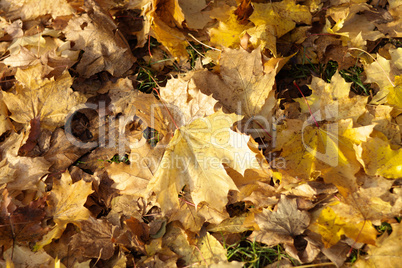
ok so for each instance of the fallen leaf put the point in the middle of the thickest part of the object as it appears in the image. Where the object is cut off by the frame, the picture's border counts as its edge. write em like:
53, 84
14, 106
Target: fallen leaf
51, 100
19, 174
228, 32
204, 251
310, 151
194, 159
30, 9
330, 101
387, 245
282, 225
185, 101
22, 256
339, 219
244, 87
94, 240
378, 158
273, 20
99, 56
66, 205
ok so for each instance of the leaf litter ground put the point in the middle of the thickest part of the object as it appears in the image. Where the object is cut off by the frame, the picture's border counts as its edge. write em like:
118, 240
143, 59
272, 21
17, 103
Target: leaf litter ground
200, 133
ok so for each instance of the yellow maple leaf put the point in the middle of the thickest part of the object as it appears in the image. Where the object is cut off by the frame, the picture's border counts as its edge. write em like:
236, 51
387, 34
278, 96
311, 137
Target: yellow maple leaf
164, 18
394, 97
33, 96
273, 20
203, 251
328, 151
228, 32
386, 74
66, 205
330, 101
339, 219
194, 159
378, 158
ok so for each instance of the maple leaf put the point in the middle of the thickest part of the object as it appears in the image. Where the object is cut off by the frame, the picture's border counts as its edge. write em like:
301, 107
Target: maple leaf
228, 32
282, 225
164, 17
310, 151
185, 101
5, 123
330, 101
66, 205
209, 250
354, 28
273, 20
52, 100
243, 86
380, 117
194, 159
134, 103
386, 245
22, 256
386, 74
54, 54
31, 9
195, 15
129, 180
18, 171
337, 219
94, 240
21, 224
378, 158
98, 56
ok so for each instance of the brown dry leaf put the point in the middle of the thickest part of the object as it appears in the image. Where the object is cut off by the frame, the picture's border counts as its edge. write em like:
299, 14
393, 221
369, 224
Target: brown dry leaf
194, 159
389, 22
18, 171
135, 104
125, 206
34, 96
380, 116
94, 240
243, 87
282, 225
387, 252
330, 101
375, 200
45, 48
21, 256
104, 46
195, 15
66, 205
5, 123
355, 29
31, 9
231, 225
21, 224
63, 152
